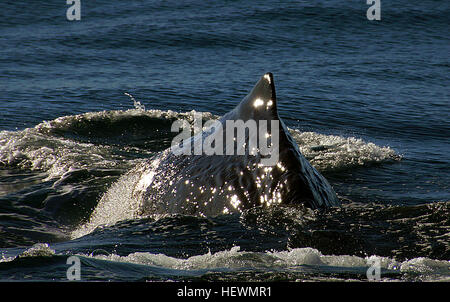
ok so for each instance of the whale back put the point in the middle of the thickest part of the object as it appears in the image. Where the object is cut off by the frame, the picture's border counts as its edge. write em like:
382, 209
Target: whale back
213, 184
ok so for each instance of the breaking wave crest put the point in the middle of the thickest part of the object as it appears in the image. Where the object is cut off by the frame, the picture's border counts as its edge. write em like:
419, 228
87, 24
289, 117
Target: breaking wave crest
331, 152
102, 140
295, 264
298, 259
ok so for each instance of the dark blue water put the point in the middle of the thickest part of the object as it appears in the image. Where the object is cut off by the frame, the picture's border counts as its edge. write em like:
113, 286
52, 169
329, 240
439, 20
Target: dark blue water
367, 102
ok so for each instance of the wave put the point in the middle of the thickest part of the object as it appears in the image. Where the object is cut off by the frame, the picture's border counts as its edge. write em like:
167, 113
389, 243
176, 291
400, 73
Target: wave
291, 260
100, 140
333, 153
297, 264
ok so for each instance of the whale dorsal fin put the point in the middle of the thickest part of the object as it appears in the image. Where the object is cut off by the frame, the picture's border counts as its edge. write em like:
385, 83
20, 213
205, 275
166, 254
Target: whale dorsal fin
304, 184
260, 103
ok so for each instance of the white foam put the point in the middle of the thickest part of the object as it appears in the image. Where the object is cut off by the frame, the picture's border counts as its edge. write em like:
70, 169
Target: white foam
38, 250
421, 268
284, 260
32, 150
331, 152
6, 259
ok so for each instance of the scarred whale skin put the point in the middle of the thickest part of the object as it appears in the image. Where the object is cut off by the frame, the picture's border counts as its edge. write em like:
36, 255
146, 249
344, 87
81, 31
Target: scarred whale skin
209, 185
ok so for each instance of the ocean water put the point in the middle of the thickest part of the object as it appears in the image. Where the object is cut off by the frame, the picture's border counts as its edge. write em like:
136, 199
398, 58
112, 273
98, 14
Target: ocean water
366, 101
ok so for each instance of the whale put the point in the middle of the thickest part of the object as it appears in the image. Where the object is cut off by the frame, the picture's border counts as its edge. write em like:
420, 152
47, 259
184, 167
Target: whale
181, 180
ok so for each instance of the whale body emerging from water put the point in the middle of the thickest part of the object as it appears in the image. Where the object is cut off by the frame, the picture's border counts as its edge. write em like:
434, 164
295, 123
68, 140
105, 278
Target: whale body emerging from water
208, 185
